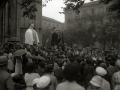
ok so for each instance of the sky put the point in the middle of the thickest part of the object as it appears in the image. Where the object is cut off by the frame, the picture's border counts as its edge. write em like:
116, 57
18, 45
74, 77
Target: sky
53, 8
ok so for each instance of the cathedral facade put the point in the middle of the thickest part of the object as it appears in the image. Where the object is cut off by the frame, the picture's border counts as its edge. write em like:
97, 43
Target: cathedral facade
13, 25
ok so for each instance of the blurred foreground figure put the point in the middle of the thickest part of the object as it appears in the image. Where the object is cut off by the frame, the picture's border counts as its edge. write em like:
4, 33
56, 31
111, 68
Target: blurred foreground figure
6, 82
70, 73
31, 36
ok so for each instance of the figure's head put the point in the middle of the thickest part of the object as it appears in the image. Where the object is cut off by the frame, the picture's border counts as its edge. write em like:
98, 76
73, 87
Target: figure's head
3, 62
30, 67
31, 24
56, 29
71, 72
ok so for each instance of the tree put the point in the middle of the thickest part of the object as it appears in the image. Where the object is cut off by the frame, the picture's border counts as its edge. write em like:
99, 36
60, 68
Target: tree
115, 7
47, 32
30, 8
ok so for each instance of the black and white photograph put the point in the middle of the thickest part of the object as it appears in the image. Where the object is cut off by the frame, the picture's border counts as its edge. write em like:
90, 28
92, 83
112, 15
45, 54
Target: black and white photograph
59, 44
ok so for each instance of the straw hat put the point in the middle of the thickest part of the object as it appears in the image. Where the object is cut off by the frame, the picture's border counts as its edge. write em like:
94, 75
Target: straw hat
42, 82
96, 81
101, 71
3, 60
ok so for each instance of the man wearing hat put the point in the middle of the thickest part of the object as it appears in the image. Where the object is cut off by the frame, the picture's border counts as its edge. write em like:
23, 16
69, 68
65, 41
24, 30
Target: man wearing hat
102, 72
6, 82
31, 36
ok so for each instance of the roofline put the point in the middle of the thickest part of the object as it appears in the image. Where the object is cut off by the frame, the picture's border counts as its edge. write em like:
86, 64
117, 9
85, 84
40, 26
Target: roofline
51, 19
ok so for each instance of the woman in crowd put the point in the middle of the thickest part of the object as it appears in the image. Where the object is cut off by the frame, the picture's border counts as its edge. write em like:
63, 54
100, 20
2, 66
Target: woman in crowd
42, 83
11, 61
95, 83
71, 73
18, 65
30, 76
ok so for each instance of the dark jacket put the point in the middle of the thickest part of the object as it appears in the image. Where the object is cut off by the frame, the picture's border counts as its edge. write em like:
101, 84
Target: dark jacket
55, 39
6, 82
88, 72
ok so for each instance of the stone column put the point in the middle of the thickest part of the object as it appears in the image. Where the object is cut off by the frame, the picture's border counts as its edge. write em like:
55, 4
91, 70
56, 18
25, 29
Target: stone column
13, 24
6, 23
2, 6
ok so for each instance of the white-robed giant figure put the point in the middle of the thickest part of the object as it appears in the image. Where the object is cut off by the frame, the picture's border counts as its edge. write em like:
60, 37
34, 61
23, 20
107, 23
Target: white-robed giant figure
31, 36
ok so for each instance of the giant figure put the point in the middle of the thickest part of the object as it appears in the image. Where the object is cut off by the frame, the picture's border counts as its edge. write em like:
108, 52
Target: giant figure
31, 36
55, 37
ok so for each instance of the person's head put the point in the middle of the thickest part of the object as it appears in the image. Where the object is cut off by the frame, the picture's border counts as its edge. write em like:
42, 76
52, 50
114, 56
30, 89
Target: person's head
96, 82
103, 65
48, 69
17, 78
71, 59
11, 51
30, 68
118, 64
60, 64
55, 29
2, 50
112, 63
71, 72
78, 60
42, 65
31, 24
100, 71
42, 83
88, 61
3, 62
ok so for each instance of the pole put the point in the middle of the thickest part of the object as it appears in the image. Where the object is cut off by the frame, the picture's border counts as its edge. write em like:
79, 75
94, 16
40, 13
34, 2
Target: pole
63, 42
104, 43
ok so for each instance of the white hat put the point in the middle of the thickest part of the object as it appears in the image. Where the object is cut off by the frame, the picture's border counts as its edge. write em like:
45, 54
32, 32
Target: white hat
42, 82
118, 63
35, 81
96, 81
13, 74
101, 71
94, 58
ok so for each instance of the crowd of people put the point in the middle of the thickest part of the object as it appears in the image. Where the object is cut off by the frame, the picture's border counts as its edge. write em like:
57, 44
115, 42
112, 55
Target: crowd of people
33, 67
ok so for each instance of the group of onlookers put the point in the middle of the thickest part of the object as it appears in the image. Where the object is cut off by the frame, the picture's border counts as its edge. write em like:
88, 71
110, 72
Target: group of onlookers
47, 69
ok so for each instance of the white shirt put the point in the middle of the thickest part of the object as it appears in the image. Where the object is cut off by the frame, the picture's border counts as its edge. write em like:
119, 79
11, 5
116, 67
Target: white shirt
29, 37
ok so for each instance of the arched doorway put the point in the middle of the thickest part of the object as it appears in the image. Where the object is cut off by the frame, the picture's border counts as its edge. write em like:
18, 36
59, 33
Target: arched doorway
7, 20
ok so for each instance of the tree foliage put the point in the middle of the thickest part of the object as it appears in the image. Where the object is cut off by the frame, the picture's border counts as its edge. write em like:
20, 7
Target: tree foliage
86, 35
115, 7
30, 6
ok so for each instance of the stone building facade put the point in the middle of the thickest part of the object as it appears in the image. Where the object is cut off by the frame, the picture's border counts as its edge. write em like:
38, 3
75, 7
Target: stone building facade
91, 8
13, 25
